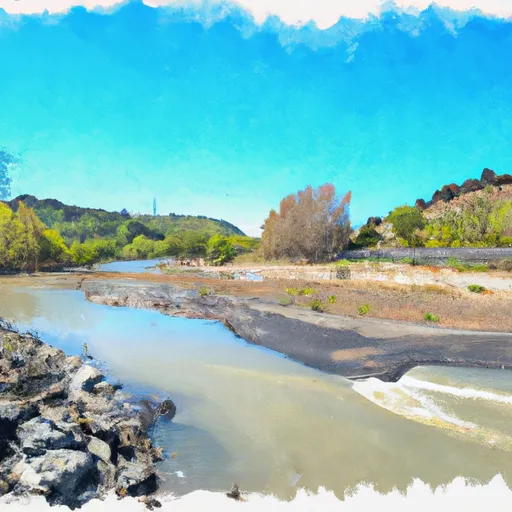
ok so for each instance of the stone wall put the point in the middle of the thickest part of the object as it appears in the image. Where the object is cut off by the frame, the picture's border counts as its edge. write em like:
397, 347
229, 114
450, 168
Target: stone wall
432, 255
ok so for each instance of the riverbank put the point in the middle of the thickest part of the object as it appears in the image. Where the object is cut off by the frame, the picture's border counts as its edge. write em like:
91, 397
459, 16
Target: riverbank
65, 433
350, 347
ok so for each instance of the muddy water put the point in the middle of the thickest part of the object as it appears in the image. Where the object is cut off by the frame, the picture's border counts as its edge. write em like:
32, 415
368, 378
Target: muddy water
246, 414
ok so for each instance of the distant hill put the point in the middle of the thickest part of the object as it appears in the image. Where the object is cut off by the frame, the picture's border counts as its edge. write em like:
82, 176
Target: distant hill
78, 223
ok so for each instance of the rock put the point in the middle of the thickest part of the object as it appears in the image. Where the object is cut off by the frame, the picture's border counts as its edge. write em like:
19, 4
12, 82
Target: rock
39, 434
421, 204
136, 479
64, 475
471, 186
100, 449
85, 379
107, 475
504, 179
104, 388
73, 364
488, 177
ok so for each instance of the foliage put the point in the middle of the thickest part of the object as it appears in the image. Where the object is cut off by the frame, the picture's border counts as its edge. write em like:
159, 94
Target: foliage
316, 305
307, 292
220, 250
363, 309
429, 317
92, 251
331, 299
480, 222
312, 224
408, 222
25, 242
285, 301
367, 237
343, 263
203, 291
476, 288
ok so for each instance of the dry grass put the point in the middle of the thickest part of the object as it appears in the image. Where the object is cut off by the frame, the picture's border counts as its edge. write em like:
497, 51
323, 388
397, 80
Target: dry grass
456, 308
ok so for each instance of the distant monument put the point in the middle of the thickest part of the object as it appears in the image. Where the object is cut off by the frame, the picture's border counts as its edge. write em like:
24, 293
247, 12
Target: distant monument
154, 207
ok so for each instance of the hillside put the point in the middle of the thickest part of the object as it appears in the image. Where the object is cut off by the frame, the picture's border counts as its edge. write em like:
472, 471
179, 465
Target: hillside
478, 213
79, 224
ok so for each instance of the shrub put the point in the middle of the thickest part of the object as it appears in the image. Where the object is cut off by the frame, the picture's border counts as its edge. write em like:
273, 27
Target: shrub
505, 265
505, 241
367, 237
408, 261
307, 292
363, 309
476, 288
429, 317
285, 301
204, 291
331, 299
316, 305
343, 263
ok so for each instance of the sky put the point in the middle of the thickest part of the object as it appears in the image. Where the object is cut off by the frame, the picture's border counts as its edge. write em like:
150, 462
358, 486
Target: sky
222, 109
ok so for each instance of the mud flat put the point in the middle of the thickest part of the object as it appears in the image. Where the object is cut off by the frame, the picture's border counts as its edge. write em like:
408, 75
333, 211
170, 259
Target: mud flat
350, 347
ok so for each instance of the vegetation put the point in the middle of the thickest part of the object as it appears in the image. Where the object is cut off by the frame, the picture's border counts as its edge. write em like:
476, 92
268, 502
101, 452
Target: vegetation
429, 317
480, 221
331, 299
203, 291
367, 237
408, 223
316, 305
312, 225
363, 309
476, 288
48, 233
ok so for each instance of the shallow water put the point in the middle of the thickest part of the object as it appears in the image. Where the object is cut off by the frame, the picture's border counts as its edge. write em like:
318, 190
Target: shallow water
136, 266
247, 414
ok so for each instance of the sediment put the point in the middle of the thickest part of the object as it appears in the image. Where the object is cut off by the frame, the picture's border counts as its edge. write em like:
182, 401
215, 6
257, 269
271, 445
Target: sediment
65, 432
353, 348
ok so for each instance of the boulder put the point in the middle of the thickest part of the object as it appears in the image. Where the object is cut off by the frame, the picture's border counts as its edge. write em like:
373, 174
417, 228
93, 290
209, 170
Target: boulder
504, 179
488, 177
39, 435
104, 388
85, 379
100, 449
63, 475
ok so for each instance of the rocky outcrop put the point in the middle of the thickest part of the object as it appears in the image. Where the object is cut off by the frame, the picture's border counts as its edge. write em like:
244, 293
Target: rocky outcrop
65, 433
449, 192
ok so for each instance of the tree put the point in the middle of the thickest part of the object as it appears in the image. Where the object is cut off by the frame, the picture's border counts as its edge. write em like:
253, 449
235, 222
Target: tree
407, 222
220, 250
6, 160
53, 248
312, 224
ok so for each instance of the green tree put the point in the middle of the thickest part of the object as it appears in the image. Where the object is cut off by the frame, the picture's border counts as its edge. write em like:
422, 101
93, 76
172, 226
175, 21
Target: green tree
407, 222
220, 250
53, 248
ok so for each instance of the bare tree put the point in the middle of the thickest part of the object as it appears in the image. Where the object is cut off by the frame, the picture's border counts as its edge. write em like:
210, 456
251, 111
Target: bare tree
312, 224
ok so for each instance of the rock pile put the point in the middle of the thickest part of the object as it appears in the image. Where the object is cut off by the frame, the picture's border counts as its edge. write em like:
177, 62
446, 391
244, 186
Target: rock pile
65, 433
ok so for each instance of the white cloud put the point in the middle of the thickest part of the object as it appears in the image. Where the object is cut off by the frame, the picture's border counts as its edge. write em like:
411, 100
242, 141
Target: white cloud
324, 13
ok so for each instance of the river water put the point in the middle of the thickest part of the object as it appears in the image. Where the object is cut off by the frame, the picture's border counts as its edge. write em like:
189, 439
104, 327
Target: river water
249, 415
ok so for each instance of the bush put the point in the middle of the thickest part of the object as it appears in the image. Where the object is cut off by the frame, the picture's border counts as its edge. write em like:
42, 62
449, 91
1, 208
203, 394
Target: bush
307, 292
203, 291
505, 241
367, 237
331, 299
407, 221
316, 305
505, 265
476, 288
429, 317
363, 309
343, 263
285, 301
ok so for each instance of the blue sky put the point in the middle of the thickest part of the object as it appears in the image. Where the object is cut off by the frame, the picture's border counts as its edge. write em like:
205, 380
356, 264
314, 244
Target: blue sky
222, 112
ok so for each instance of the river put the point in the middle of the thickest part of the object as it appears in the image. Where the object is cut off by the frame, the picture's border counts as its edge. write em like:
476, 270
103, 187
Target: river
249, 415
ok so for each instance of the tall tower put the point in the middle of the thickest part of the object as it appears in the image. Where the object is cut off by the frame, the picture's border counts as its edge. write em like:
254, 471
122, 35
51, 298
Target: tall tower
154, 207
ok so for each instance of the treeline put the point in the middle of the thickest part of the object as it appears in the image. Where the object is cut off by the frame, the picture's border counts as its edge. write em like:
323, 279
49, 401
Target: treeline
479, 221
312, 224
28, 244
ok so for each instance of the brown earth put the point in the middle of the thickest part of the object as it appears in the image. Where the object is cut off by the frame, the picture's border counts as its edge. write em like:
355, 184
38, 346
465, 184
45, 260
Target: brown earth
457, 309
